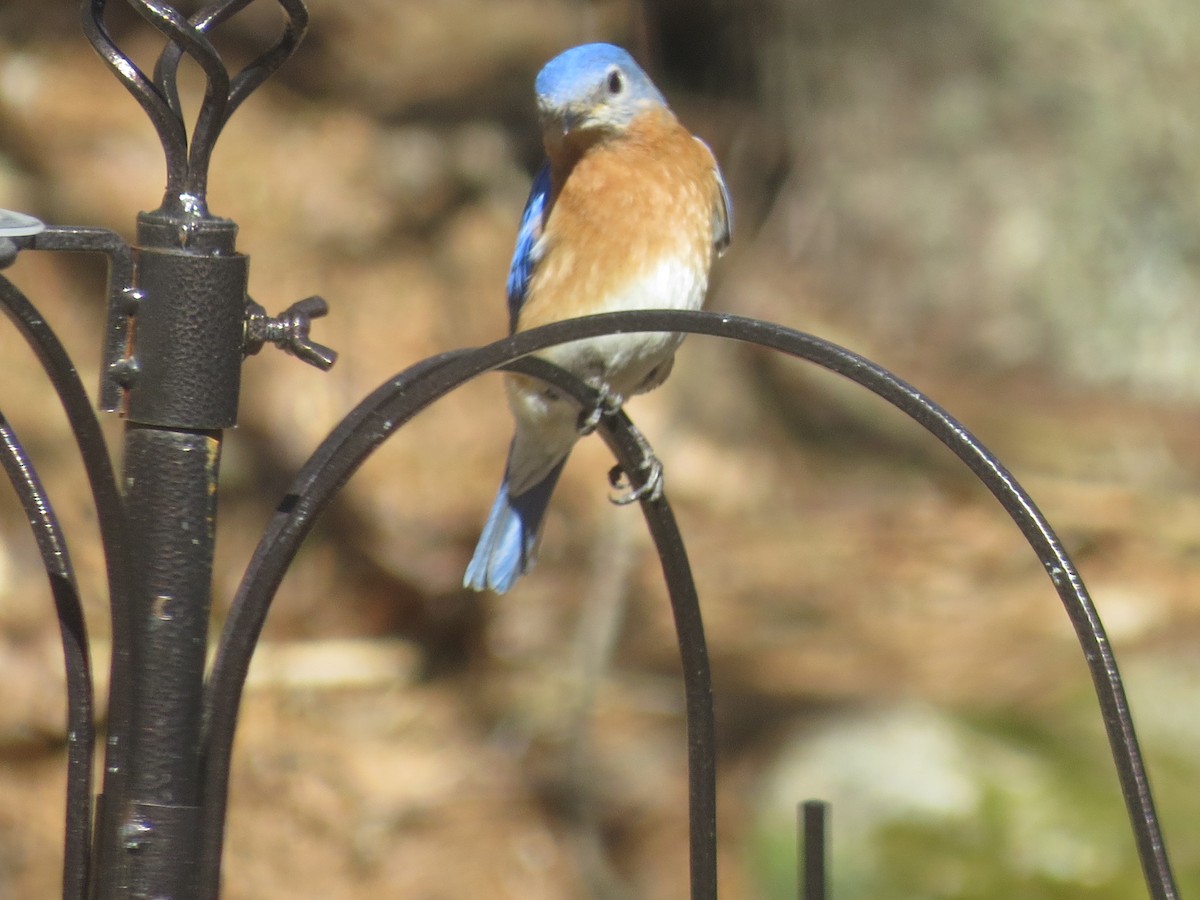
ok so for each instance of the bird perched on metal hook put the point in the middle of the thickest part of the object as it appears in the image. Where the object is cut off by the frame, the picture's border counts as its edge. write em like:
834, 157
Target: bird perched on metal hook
627, 212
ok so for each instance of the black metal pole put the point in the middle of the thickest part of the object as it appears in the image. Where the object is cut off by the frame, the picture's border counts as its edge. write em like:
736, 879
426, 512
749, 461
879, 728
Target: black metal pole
813, 816
173, 350
182, 392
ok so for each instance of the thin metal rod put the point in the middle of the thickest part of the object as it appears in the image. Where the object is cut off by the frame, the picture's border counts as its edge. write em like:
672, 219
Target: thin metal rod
166, 69
263, 66
1089, 630
813, 828
101, 477
631, 449
93, 451
81, 736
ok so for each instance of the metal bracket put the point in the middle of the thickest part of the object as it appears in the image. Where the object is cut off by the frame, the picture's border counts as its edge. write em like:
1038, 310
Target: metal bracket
186, 338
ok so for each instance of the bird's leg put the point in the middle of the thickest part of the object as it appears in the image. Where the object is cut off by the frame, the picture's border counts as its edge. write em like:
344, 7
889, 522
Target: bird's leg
657, 375
608, 402
651, 487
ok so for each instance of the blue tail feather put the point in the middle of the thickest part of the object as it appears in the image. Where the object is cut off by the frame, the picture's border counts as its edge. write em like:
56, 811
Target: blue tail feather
506, 548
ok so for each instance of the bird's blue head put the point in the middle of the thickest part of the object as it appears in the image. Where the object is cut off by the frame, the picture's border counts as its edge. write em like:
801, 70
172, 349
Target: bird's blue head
593, 87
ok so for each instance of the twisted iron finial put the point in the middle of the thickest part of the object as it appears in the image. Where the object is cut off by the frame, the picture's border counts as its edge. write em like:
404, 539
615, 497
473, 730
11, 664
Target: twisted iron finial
187, 161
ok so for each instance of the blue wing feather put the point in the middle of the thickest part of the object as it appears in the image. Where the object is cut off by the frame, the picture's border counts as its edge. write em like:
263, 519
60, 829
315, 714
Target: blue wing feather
722, 217
526, 254
722, 221
506, 548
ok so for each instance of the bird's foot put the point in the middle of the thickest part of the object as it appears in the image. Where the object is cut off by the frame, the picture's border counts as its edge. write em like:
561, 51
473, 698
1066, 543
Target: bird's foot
651, 488
608, 403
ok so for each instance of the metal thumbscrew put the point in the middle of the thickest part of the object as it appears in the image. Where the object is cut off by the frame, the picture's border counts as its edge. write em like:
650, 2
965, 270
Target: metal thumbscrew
289, 331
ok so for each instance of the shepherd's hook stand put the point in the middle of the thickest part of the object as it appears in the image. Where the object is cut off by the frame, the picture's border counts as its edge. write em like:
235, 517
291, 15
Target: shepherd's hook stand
179, 324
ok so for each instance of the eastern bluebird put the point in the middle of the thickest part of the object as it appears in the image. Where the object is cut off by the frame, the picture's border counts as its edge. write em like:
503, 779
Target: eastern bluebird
627, 212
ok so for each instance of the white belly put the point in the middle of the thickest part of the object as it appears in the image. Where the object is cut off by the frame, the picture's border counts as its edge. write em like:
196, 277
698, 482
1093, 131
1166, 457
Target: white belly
622, 362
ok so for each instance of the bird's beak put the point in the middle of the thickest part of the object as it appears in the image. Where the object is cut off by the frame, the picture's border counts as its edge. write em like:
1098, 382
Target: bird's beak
562, 120
572, 119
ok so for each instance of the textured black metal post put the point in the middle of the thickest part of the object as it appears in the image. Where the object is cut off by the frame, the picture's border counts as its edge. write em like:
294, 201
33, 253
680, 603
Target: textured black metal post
191, 296
171, 511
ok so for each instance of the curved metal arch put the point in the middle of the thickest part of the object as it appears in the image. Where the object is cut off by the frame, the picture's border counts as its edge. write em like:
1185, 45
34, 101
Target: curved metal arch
398, 399
94, 452
56, 561
85, 427
81, 729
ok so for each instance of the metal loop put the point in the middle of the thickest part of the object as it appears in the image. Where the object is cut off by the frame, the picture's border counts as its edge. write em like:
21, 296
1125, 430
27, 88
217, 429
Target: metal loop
187, 173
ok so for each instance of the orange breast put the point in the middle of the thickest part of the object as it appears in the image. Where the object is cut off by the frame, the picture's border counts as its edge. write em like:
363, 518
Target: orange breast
628, 205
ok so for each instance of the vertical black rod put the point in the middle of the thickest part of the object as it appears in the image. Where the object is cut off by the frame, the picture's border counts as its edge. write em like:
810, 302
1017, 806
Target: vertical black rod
813, 830
179, 388
631, 450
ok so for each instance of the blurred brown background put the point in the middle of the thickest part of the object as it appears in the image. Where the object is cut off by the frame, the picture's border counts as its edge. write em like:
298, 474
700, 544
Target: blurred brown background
998, 200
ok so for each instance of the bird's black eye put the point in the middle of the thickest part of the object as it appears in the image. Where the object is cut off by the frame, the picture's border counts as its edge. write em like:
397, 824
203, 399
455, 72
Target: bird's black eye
616, 82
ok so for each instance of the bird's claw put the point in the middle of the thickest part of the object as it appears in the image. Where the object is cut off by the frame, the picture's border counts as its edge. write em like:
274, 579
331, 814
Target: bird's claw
651, 488
607, 403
